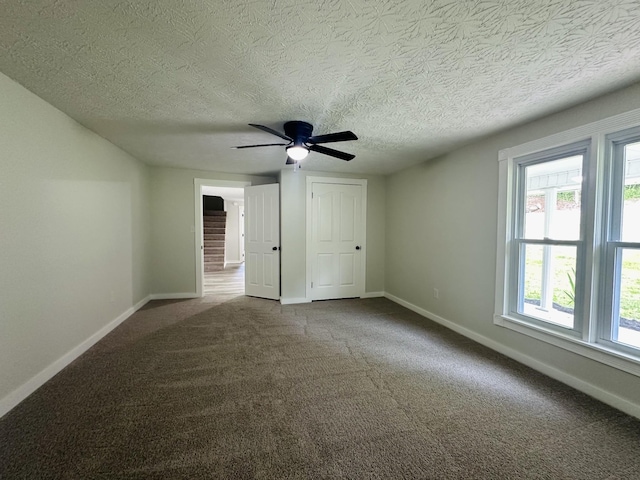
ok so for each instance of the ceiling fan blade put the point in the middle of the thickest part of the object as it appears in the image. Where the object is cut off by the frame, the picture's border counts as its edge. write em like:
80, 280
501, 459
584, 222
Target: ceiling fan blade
290, 161
271, 131
262, 145
331, 152
333, 137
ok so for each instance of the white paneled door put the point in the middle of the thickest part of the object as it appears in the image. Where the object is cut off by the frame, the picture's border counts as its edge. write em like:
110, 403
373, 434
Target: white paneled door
262, 241
337, 235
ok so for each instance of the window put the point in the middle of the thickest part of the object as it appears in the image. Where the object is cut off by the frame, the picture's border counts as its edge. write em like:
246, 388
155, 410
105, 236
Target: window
621, 306
568, 265
547, 237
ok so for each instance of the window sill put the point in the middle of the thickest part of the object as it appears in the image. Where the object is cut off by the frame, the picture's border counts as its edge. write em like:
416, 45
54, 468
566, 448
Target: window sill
597, 352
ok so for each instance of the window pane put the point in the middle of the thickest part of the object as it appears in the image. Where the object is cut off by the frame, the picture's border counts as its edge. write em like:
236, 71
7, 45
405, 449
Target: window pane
631, 204
553, 199
626, 328
549, 284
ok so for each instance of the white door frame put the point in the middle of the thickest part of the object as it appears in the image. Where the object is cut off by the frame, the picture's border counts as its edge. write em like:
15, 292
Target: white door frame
198, 184
340, 181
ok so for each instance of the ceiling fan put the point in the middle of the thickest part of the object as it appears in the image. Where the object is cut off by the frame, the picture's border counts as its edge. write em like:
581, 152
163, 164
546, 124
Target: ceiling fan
300, 141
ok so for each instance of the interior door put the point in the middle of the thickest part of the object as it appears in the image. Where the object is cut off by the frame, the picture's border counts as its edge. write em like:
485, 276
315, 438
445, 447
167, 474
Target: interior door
262, 241
337, 234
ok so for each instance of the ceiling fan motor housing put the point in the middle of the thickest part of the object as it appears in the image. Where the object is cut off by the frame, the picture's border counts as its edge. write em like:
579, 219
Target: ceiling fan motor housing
298, 131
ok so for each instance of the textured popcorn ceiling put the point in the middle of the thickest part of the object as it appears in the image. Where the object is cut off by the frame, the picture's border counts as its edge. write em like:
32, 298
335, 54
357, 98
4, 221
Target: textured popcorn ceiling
174, 82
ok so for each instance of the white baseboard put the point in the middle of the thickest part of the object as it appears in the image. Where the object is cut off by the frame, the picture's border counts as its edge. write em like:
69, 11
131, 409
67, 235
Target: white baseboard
594, 391
31, 385
173, 296
372, 295
291, 301
140, 304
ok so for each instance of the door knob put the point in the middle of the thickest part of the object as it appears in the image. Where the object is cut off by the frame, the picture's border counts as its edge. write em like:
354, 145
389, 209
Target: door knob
357, 247
274, 248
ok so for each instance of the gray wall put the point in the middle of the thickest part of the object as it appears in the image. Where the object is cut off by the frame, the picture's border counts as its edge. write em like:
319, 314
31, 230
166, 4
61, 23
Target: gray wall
173, 267
441, 233
293, 231
232, 238
74, 235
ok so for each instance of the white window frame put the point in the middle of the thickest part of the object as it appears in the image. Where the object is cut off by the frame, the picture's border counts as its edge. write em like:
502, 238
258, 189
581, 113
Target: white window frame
591, 340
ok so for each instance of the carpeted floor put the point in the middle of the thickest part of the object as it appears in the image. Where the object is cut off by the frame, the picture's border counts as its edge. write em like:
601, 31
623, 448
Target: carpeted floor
248, 388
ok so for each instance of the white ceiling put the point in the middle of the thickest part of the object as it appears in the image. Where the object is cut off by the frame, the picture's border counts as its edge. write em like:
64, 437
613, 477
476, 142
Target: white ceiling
175, 83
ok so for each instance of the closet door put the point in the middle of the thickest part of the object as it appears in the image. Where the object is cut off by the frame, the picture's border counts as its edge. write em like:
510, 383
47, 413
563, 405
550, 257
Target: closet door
337, 241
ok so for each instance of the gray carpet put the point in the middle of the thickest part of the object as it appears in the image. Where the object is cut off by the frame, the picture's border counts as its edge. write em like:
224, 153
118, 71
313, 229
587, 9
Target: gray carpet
248, 388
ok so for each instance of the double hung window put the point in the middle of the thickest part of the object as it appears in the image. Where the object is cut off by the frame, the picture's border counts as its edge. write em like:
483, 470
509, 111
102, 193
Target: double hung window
548, 238
568, 269
620, 327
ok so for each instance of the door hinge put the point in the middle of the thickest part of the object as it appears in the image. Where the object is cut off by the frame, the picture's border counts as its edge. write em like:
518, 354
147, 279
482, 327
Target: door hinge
311, 284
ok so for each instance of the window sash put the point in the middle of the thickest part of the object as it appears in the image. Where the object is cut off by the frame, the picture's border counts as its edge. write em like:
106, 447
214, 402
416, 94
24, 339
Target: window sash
520, 188
610, 319
519, 241
516, 295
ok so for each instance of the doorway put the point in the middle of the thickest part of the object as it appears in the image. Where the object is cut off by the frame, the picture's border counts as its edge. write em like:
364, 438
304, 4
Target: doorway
227, 278
229, 281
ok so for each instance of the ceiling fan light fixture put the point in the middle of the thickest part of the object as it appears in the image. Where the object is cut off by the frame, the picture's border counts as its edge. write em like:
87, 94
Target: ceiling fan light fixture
297, 153
300, 141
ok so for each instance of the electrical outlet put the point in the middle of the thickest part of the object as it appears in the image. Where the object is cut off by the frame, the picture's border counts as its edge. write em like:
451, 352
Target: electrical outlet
436, 293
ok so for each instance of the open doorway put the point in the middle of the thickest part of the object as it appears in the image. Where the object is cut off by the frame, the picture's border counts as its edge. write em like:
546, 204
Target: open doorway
223, 240
219, 237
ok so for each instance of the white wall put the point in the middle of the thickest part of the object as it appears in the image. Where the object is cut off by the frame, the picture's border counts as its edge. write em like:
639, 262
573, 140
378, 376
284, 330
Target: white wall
232, 239
293, 231
441, 233
74, 238
173, 269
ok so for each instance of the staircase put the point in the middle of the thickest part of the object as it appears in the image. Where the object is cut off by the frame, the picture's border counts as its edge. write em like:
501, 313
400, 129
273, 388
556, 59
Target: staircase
214, 223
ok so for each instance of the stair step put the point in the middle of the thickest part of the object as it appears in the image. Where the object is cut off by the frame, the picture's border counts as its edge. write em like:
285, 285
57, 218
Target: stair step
211, 242
214, 224
214, 220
